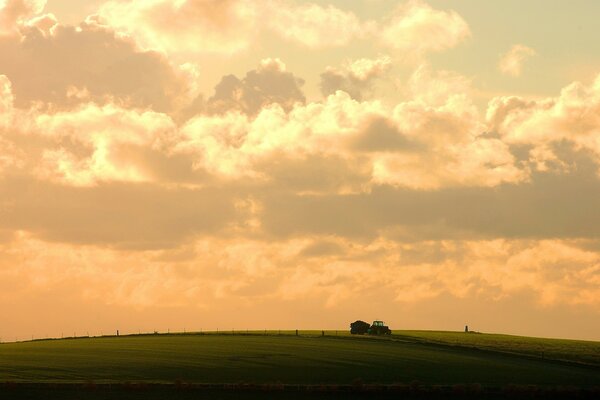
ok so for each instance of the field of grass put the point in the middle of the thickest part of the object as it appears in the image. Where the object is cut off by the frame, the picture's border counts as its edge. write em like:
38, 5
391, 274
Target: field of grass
432, 358
577, 351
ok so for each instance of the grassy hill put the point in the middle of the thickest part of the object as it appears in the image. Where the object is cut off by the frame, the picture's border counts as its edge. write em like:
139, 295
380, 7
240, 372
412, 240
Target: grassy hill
434, 358
576, 351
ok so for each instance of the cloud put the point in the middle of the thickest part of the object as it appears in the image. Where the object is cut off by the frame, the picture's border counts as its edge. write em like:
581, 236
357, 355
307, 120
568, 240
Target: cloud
10, 156
64, 66
6, 95
339, 276
314, 26
441, 120
269, 84
230, 26
354, 77
571, 117
145, 216
381, 135
102, 151
512, 62
212, 26
14, 13
262, 200
91, 144
416, 28
216, 26
456, 213
433, 140
230, 144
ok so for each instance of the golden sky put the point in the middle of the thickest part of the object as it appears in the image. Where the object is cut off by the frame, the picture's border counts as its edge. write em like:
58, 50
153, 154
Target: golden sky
285, 164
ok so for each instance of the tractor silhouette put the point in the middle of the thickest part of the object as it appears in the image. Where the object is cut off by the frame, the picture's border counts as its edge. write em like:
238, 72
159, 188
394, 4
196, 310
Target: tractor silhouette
361, 327
379, 328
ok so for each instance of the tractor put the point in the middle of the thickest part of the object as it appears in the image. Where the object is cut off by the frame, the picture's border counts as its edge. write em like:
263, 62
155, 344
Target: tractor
362, 327
379, 328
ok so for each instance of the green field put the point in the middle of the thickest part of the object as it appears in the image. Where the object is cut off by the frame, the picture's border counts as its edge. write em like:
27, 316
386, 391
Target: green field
432, 358
577, 351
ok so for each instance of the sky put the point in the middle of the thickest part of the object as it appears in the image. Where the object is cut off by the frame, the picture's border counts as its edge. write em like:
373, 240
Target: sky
290, 164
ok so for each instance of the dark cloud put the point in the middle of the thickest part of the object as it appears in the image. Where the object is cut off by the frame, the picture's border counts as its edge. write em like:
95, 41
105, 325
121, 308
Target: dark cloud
320, 249
333, 80
589, 245
122, 215
314, 173
162, 167
6, 235
47, 68
356, 78
520, 151
266, 85
380, 134
550, 206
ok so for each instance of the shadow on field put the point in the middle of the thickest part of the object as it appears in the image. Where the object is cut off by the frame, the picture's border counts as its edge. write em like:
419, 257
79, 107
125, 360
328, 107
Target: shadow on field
243, 391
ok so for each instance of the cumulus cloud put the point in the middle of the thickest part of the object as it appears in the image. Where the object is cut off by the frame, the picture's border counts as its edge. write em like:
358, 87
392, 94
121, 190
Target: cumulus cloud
415, 28
14, 13
216, 26
432, 140
354, 77
315, 26
443, 119
102, 150
219, 26
87, 63
512, 62
543, 124
269, 84
90, 144
227, 27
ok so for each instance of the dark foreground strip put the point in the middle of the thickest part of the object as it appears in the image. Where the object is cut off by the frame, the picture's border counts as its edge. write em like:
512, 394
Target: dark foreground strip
180, 390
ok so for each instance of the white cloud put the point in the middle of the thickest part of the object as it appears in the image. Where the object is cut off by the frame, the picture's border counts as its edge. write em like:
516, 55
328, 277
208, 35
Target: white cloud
15, 12
512, 62
366, 68
211, 26
432, 140
230, 26
572, 117
6, 95
313, 25
354, 76
415, 28
111, 138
